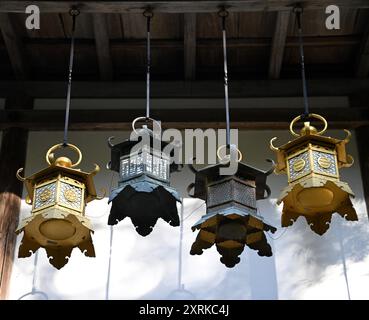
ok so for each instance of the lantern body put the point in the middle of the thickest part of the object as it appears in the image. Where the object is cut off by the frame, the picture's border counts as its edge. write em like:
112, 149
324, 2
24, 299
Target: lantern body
231, 219
143, 191
312, 162
58, 195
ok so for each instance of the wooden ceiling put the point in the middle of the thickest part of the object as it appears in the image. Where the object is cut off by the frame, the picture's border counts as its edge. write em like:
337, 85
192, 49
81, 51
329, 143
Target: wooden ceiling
186, 45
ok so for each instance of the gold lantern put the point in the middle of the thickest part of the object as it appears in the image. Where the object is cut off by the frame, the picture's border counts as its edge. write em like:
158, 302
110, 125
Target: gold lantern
58, 195
312, 162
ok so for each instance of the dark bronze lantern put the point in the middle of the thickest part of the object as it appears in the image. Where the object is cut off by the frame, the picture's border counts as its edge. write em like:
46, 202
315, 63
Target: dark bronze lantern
231, 219
58, 195
143, 193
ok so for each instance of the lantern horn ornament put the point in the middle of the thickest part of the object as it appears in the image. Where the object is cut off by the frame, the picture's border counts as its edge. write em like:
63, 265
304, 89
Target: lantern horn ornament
231, 219
312, 162
58, 195
143, 192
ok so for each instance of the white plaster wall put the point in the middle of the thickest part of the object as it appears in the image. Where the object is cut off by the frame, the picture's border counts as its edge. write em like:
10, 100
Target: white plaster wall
304, 265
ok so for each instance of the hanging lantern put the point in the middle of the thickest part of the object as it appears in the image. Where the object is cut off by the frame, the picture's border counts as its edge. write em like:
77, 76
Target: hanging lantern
143, 192
58, 194
312, 162
231, 219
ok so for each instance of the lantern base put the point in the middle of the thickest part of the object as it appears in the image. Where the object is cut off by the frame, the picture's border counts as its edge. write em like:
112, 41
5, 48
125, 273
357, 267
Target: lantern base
58, 232
230, 233
144, 202
317, 200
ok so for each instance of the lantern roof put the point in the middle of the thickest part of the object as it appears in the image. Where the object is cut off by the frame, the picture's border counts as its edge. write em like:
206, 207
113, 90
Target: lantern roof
57, 168
310, 138
211, 174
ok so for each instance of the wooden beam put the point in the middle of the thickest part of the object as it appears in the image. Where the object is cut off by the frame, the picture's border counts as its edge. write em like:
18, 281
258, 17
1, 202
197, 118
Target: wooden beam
176, 6
14, 47
278, 44
246, 118
362, 69
12, 157
103, 46
190, 46
133, 44
183, 89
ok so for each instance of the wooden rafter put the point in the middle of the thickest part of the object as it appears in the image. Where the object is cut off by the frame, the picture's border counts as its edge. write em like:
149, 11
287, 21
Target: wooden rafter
362, 70
193, 89
14, 47
103, 46
174, 6
244, 118
190, 46
278, 44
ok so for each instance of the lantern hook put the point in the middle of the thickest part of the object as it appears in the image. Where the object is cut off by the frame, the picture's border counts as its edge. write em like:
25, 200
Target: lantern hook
189, 188
225, 158
272, 147
310, 115
110, 139
268, 192
19, 177
348, 136
146, 119
271, 170
50, 155
96, 170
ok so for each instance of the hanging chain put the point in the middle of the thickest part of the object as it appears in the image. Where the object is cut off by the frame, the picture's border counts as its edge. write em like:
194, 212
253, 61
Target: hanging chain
224, 14
73, 13
298, 11
148, 15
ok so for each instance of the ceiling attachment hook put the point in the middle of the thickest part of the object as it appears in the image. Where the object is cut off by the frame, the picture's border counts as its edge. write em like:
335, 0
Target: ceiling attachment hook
223, 12
148, 13
74, 11
298, 9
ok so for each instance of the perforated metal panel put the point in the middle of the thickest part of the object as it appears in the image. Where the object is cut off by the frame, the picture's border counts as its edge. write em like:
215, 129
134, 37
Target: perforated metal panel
302, 158
231, 190
134, 165
70, 196
45, 196
324, 163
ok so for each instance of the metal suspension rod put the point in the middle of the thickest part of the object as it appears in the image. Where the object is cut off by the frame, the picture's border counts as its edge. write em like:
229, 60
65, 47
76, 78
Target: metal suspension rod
224, 14
298, 11
148, 15
74, 13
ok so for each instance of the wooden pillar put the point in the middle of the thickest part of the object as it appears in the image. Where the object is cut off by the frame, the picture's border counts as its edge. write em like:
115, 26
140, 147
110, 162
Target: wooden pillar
362, 135
12, 157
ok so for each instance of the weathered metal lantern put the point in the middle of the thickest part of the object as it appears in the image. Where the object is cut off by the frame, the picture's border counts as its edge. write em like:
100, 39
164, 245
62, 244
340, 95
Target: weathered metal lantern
231, 219
58, 194
143, 192
312, 162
